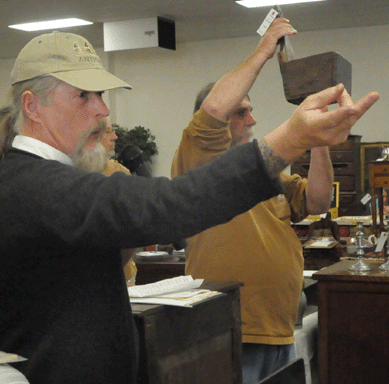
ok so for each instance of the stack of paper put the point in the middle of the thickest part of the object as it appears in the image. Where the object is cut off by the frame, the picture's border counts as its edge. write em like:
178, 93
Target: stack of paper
325, 242
181, 291
10, 357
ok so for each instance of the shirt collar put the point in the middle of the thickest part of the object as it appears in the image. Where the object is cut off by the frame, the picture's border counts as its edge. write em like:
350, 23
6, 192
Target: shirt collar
40, 149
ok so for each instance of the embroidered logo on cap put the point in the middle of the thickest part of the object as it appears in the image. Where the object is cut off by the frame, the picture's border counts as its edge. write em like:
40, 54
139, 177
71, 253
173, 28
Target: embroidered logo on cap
86, 53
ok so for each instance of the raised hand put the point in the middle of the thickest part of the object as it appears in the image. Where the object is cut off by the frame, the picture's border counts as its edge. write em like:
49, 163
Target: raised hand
313, 125
280, 27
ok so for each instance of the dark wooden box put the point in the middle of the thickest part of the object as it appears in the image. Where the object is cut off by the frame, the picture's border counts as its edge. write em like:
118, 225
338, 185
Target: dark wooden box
303, 77
199, 345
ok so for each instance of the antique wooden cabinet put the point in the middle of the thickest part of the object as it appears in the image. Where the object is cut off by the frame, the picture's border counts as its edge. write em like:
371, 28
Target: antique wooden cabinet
347, 171
199, 345
353, 325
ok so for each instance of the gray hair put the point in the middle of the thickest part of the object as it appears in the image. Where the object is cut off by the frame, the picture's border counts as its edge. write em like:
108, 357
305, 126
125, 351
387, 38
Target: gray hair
11, 116
204, 92
202, 95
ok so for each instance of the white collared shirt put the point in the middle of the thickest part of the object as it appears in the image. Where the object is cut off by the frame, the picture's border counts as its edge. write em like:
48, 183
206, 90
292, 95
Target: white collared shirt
40, 149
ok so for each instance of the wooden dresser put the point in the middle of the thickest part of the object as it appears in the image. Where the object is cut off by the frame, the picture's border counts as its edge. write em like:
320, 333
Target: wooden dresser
353, 325
346, 162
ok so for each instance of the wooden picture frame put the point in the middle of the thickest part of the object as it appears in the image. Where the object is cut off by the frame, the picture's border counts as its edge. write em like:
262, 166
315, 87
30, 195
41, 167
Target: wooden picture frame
369, 152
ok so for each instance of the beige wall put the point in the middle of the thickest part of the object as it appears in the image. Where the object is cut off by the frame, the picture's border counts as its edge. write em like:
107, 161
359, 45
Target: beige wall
5, 81
165, 82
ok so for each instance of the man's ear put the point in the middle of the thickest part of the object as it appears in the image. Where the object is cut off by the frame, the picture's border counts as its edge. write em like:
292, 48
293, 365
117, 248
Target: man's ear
31, 105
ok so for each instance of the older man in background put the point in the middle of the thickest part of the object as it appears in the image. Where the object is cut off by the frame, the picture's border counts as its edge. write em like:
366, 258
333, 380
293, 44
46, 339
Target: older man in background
113, 166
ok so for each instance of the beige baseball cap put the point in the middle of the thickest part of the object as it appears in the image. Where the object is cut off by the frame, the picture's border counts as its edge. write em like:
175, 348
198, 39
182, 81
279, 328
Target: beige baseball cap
69, 58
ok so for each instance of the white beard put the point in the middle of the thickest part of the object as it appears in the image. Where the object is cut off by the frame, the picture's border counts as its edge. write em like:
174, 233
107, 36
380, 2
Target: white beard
250, 133
94, 160
111, 154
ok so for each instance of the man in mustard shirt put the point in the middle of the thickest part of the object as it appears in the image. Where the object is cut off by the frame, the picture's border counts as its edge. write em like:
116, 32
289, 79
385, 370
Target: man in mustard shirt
108, 142
259, 247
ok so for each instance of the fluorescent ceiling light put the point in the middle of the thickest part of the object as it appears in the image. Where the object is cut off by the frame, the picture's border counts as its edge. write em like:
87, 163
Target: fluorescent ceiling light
51, 24
267, 3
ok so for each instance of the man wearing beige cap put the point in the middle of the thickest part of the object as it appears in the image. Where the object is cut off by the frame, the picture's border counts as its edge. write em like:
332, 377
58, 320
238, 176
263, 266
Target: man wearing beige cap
64, 301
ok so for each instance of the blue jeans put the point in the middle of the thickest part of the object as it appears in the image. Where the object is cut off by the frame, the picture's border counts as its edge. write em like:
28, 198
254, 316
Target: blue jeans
261, 360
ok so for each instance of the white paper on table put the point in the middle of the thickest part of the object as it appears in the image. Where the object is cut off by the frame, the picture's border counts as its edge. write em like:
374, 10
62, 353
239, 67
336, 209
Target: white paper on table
308, 273
175, 284
10, 358
322, 243
181, 299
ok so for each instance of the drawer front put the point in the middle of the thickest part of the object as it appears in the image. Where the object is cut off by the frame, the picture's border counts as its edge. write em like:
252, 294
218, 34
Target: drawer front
347, 210
305, 158
342, 156
346, 183
347, 198
343, 168
351, 143
381, 170
300, 168
381, 182
336, 156
339, 168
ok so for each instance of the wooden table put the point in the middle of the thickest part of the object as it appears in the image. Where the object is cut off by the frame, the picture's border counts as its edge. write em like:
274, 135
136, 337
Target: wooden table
353, 325
199, 345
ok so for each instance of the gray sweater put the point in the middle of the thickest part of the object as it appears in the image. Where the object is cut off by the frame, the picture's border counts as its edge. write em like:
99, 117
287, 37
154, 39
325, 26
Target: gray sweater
64, 302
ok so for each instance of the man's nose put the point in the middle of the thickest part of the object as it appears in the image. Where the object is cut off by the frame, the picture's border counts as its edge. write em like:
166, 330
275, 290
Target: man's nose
250, 120
99, 105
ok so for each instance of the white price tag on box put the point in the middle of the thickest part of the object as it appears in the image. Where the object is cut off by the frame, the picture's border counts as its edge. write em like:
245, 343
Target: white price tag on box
266, 23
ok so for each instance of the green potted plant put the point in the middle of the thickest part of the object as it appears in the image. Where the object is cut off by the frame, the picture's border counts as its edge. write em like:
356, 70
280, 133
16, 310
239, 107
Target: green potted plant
139, 136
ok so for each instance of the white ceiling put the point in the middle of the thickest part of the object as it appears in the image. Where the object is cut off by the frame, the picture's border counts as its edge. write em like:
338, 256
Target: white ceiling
195, 20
